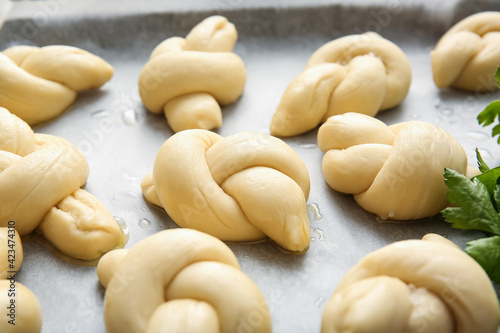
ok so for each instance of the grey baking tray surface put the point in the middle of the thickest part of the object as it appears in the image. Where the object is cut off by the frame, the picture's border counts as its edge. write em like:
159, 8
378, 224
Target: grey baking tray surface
120, 138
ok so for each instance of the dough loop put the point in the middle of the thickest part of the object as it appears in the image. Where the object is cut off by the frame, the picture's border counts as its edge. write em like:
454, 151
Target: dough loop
393, 171
38, 84
414, 286
357, 73
244, 187
187, 79
180, 280
40, 180
468, 55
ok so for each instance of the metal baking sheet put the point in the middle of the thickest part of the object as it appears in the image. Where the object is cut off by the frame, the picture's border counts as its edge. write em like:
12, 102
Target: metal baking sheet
120, 138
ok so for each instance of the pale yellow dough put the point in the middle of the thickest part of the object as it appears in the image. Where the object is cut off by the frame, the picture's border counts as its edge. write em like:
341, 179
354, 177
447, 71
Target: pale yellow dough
38, 84
11, 253
393, 171
357, 73
187, 79
424, 286
244, 187
27, 313
40, 180
180, 280
468, 55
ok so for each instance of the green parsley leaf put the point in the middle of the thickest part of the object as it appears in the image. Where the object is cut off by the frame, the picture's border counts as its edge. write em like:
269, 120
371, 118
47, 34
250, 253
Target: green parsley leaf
486, 251
490, 179
483, 167
488, 116
475, 209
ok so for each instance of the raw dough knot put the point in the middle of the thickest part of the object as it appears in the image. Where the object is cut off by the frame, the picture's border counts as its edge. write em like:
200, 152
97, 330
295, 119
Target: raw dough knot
468, 55
357, 73
427, 285
180, 280
188, 78
240, 188
40, 180
38, 84
393, 171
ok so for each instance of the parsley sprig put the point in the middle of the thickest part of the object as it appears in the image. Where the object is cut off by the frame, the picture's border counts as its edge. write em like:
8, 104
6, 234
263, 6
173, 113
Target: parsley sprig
477, 201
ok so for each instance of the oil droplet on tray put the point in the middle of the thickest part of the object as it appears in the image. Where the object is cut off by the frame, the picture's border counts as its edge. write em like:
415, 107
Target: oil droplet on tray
133, 195
447, 112
130, 117
314, 208
125, 232
437, 101
320, 233
308, 146
144, 223
99, 113
477, 136
319, 302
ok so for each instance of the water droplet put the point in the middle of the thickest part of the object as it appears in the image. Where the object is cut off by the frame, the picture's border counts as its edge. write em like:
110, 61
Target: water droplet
159, 228
308, 145
313, 239
144, 223
477, 136
133, 195
437, 102
320, 233
485, 154
143, 209
447, 112
415, 116
314, 208
319, 302
116, 197
130, 117
99, 113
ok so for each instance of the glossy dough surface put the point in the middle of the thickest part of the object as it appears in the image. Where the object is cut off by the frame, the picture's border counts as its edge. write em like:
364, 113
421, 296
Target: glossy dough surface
468, 55
425, 286
180, 280
357, 73
187, 79
244, 187
393, 171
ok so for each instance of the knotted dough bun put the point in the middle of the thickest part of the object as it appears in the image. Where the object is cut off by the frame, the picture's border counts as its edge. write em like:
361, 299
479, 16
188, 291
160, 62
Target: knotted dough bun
393, 171
468, 55
357, 73
40, 180
180, 280
188, 78
244, 187
38, 84
412, 286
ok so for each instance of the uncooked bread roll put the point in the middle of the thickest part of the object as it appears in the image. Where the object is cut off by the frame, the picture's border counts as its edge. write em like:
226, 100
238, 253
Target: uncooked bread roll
38, 84
468, 55
188, 78
358, 73
40, 180
412, 286
393, 171
245, 187
180, 280
11, 252
19, 306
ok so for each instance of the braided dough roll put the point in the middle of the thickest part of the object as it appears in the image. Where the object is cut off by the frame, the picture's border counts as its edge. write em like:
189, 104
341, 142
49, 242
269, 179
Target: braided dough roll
468, 55
38, 84
180, 280
357, 73
412, 286
187, 79
393, 171
244, 187
40, 180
